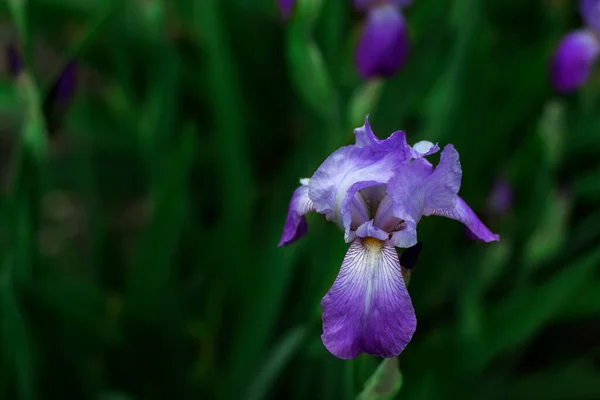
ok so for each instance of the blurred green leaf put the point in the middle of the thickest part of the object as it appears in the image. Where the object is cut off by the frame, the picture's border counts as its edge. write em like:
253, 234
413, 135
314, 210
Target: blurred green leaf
16, 338
550, 234
385, 383
309, 73
275, 362
363, 101
522, 314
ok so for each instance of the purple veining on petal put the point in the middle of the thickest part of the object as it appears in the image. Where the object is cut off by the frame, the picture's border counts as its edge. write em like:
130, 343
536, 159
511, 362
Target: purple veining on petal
590, 12
14, 61
348, 170
286, 7
383, 44
369, 230
364, 5
573, 60
295, 224
463, 213
368, 309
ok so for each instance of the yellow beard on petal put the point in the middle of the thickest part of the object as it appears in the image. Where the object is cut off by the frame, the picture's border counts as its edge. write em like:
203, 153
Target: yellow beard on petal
372, 244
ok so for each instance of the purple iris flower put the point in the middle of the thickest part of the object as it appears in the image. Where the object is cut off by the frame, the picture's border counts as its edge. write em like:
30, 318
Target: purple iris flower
577, 52
383, 44
377, 191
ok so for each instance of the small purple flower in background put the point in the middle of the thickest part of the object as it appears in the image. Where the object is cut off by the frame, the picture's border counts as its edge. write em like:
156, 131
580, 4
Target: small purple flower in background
286, 7
383, 44
501, 197
577, 52
13, 61
59, 98
377, 191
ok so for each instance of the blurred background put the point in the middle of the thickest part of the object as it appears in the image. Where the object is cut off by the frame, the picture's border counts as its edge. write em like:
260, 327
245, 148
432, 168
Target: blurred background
141, 208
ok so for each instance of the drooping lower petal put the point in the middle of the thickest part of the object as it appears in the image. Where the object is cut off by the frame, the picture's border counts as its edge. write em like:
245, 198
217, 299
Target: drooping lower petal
295, 223
463, 213
368, 309
573, 60
383, 45
590, 12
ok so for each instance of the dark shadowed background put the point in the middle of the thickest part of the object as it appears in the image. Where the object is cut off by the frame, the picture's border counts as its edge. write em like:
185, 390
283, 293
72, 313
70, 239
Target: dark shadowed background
139, 223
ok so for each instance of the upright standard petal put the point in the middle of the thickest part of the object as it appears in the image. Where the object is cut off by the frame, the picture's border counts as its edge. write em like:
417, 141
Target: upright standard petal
395, 142
573, 60
462, 212
334, 186
416, 191
368, 309
295, 223
383, 45
590, 12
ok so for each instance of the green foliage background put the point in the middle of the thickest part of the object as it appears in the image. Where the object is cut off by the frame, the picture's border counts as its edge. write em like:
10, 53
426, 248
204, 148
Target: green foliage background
138, 254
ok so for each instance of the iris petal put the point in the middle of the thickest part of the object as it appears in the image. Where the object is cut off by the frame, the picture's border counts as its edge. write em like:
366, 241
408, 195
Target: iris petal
590, 12
383, 45
395, 142
573, 60
368, 309
334, 185
463, 213
295, 223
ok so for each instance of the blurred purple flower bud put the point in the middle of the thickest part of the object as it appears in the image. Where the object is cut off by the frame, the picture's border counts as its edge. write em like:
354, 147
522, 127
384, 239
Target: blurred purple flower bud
383, 44
286, 7
590, 12
65, 85
500, 199
14, 61
573, 60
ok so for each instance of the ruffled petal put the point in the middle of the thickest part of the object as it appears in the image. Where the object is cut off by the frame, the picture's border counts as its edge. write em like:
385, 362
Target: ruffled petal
395, 142
590, 12
334, 185
295, 223
383, 45
369, 230
463, 213
424, 148
573, 60
406, 237
368, 309
416, 190
441, 187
